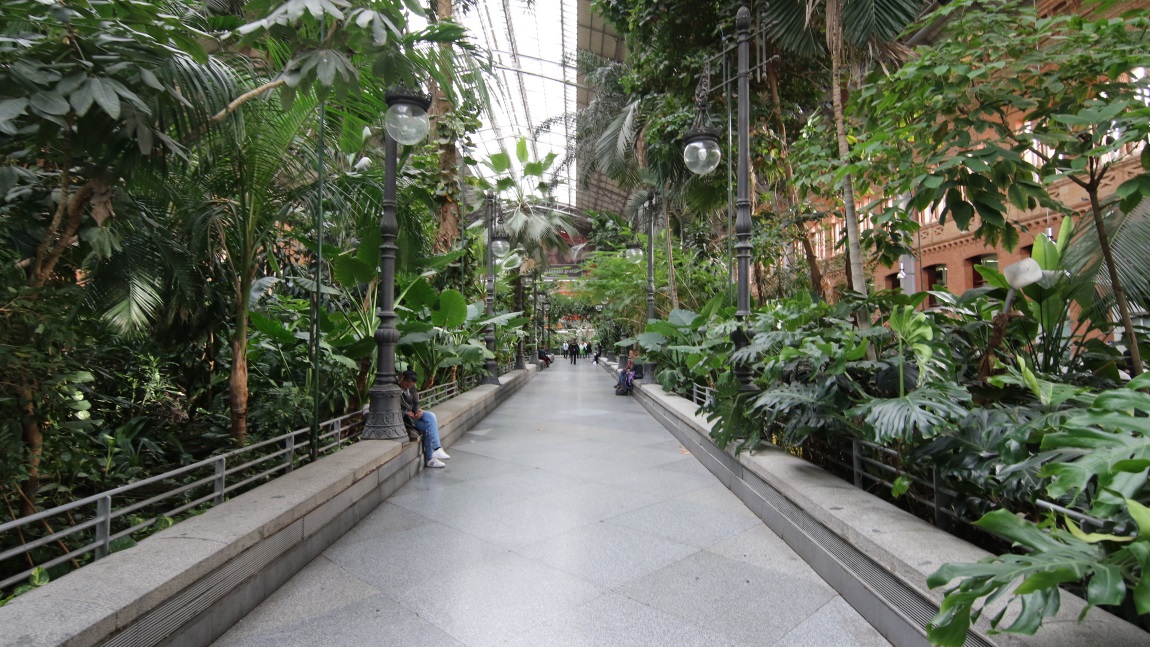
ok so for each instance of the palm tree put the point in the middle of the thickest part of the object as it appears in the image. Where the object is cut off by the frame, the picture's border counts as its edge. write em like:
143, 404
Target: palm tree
96, 98
1128, 233
863, 30
235, 198
589, 123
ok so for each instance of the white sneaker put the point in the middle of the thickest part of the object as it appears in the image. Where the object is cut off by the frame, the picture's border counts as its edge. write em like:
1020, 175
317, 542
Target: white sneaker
435, 462
440, 454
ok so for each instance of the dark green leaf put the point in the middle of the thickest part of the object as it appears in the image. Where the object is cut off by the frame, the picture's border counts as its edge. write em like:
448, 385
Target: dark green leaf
1106, 586
452, 311
350, 271
104, 93
50, 103
272, 328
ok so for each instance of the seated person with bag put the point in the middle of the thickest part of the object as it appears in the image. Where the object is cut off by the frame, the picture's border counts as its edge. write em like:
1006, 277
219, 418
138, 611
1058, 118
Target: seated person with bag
421, 421
545, 358
626, 379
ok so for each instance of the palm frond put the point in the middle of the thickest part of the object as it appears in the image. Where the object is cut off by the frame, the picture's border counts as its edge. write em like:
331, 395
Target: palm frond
865, 21
614, 150
1129, 233
140, 304
789, 26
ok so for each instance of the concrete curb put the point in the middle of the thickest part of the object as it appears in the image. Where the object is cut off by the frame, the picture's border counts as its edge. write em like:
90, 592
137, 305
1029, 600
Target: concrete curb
874, 554
188, 584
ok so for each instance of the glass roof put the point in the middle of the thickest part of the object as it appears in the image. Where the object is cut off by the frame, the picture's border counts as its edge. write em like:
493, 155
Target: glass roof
534, 51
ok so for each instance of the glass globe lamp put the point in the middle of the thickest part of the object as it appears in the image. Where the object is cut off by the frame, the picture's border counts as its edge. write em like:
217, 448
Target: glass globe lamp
702, 153
634, 253
500, 246
406, 120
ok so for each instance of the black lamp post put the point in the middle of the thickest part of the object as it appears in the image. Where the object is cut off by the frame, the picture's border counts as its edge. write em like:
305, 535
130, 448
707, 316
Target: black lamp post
536, 318
649, 210
497, 245
701, 156
547, 323
406, 123
520, 288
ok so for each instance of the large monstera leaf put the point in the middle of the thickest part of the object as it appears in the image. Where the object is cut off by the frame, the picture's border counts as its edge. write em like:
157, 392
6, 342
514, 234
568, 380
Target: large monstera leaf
1108, 444
1103, 453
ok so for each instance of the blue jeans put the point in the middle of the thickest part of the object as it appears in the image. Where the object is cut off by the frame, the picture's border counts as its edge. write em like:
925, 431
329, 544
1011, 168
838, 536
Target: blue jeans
428, 427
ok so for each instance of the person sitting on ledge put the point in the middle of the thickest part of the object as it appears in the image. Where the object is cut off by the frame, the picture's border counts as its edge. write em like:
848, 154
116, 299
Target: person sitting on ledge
623, 373
545, 358
422, 421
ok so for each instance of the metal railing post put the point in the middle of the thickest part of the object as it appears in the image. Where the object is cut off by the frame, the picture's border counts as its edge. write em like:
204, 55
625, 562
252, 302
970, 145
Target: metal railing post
338, 426
104, 528
856, 463
218, 485
289, 453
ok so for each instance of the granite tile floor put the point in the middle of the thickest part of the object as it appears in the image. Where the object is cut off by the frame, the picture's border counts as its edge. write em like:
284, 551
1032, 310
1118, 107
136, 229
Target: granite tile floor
567, 517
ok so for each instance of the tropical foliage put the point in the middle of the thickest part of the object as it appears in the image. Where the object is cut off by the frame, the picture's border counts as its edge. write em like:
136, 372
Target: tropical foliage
1051, 420
189, 204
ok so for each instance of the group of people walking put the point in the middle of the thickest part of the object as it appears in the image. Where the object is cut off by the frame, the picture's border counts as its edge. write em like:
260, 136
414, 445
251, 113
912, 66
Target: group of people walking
574, 348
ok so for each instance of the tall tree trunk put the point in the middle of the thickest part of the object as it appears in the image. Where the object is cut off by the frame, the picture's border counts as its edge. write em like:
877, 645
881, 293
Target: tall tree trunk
239, 388
792, 197
854, 241
1115, 284
33, 446
56, 240
238, 384
448, 157
673, 288
813, 264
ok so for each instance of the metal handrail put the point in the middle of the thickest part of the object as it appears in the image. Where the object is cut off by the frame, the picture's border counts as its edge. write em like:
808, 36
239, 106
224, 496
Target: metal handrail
439, 393
702, 395
507, 367
211, 481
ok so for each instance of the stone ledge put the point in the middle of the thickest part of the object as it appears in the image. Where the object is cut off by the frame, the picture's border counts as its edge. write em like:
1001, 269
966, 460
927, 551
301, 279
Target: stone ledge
93, 604
907, 547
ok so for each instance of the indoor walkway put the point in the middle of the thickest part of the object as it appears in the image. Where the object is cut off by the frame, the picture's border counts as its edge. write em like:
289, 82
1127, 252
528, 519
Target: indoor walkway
568, 516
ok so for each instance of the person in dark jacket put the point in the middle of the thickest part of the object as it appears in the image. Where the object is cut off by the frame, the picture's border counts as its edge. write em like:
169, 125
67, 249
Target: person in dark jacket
422, 421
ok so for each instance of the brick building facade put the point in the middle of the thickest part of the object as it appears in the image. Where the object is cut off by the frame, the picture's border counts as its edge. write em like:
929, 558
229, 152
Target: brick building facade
945, 256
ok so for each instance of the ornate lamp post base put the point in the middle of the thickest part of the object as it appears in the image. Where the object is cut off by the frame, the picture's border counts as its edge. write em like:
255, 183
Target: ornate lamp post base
384, 417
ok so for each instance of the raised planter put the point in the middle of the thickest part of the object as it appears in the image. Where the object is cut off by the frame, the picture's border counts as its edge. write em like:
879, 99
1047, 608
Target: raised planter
188, 584
874, 554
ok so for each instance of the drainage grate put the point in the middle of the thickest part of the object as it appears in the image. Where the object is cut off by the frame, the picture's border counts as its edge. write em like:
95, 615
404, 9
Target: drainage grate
321, 516
177, 611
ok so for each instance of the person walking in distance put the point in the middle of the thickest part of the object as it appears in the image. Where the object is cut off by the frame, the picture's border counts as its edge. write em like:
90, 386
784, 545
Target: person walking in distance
421, 421
574, 352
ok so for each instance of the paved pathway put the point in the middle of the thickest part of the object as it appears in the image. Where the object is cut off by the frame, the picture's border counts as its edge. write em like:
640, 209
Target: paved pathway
567, 517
